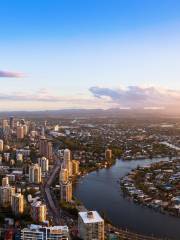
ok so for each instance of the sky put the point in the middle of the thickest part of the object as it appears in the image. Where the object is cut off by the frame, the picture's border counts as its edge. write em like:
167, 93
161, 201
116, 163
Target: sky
89, 54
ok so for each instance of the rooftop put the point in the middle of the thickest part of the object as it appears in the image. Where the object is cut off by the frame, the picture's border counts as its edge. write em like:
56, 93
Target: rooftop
92, 218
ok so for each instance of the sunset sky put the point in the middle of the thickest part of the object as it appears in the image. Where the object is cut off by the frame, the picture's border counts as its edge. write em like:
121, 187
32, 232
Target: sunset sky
57, 54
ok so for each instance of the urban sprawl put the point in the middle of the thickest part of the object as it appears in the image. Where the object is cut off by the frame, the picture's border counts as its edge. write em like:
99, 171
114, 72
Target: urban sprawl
41, 160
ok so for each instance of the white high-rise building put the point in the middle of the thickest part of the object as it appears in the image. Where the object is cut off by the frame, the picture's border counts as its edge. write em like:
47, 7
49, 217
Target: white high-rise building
67, 163
90, 226
1, 145
35, 174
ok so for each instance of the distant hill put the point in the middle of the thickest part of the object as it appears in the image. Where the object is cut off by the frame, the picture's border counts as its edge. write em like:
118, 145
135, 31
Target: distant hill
92, 113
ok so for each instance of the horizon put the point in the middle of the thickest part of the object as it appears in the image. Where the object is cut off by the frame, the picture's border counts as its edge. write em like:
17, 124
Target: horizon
98, 54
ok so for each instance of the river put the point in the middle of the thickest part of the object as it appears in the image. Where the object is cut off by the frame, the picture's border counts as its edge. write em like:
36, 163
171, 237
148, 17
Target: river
101, 191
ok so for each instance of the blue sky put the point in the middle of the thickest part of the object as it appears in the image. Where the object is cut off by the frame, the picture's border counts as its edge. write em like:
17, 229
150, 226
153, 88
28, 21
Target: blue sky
88, 54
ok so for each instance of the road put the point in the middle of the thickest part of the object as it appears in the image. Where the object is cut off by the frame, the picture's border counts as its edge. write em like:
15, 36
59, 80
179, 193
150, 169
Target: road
54, 210
126, 235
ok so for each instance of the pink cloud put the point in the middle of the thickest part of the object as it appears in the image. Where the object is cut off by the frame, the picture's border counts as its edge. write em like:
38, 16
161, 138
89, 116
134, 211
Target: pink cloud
7, 74
137, 96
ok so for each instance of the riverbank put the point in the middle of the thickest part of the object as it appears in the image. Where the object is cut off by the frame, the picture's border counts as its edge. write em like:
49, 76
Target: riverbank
155, 186
104, 164
100, 191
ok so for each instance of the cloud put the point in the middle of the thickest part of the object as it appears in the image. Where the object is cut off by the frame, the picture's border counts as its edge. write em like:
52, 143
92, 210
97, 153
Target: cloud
39, 96
136, 96
6, 74
44, 99
148, 98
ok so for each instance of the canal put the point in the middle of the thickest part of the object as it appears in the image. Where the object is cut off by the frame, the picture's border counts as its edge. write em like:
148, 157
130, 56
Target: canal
100, 190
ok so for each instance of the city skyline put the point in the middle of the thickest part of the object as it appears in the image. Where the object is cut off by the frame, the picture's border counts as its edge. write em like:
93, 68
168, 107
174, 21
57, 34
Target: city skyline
98, 54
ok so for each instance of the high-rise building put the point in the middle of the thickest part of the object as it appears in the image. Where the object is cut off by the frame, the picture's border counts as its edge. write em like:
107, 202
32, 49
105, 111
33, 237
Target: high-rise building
35, 174
5, 124
42, 132
5, 181
66, 191
44, 164
19, 157
22, 121
6, 195
34, 232
45, 148
67, 163
17, 203
6, 156
38, 212
33, 134
90, 226
63, 176
20, 132
108, 154
25, 129
11, 122
1, 145
75, 167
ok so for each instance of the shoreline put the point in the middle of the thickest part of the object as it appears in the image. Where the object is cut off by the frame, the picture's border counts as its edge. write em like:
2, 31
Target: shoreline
134, 193
108, 222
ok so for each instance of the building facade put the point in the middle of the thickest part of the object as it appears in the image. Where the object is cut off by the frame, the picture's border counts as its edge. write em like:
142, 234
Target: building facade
66, 191
38, 212
6, 195
90, 226
17, 203
38, 232
35, 174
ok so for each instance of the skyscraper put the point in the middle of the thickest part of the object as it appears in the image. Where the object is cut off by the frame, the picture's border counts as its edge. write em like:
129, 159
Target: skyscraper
45, 148
66, 191
6, 195
108, 154
20, 132
90, 226
1, 145
75, 167
44, 164
5, 181
25, 129
38, 212
17, 203
63, 176
35, 174
5, 124
11, 122
67, 163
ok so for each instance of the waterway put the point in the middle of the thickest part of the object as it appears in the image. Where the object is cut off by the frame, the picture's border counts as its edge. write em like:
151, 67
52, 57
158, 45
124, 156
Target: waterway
100, 190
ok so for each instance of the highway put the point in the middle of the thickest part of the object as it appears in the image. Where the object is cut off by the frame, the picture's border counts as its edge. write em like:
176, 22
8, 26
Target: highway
54, 210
